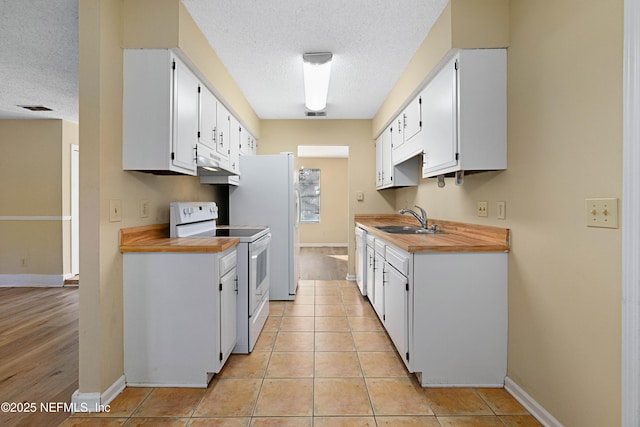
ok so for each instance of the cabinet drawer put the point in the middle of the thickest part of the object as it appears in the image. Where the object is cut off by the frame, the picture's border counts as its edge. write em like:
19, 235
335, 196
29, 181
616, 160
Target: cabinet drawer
228, 261
398, 259
370, 240
379, 246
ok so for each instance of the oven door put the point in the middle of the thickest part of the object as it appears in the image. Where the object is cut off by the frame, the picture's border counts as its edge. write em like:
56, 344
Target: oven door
259, 272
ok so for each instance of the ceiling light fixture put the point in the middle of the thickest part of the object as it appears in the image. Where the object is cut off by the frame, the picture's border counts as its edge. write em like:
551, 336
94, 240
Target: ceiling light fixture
317, 69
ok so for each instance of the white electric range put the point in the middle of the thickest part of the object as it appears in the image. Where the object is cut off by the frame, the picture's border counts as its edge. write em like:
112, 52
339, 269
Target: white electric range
198, 219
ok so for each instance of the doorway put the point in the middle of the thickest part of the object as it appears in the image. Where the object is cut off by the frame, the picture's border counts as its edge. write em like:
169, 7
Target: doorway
75, 210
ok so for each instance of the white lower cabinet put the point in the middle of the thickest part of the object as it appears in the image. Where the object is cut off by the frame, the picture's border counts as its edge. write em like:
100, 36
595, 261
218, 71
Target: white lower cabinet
228, 289
446, 313
370, 271
179, 316
396, 310
378, 278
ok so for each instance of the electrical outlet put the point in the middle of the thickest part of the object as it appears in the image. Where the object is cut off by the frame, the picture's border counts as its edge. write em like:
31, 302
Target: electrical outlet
144, 208
602, 213
115, 210
483, 208
501, 210
25, 259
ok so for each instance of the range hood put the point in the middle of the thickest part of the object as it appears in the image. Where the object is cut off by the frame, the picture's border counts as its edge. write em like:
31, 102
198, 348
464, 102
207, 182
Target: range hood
209, 163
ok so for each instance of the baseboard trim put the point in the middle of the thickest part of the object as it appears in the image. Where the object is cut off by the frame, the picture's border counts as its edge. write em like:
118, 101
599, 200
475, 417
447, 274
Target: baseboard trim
351, 277
96, 402
530, 404
324, 245
33, 280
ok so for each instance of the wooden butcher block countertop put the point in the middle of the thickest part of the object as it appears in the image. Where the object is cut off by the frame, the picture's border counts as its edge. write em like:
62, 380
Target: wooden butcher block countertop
457, 236
155, 238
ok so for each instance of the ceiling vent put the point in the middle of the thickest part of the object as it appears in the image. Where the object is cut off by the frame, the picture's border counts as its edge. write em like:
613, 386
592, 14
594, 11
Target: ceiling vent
315, 113
35, 107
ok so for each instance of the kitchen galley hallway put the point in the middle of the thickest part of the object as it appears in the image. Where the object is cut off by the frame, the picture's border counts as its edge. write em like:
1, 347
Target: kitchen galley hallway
323, 360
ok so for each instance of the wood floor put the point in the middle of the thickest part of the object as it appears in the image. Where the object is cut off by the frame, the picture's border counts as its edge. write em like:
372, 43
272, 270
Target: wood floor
38, 352
39, 340
323, 263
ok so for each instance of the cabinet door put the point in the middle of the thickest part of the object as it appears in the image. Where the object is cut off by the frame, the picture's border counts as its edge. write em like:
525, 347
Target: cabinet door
379, 144
207, 118
361, 265
387, 163
185, 117
440, 121
235, 137
398, 136
412, 116
223, 126
370, 274
378, 284
228, 303
395, 309
245, 142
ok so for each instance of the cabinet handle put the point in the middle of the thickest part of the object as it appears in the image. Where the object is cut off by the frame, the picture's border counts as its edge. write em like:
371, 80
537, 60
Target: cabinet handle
236, 284
195, 154
222, 139
213, 135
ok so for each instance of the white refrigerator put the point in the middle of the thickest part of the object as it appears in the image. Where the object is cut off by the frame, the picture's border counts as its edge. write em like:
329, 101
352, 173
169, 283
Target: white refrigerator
267, 194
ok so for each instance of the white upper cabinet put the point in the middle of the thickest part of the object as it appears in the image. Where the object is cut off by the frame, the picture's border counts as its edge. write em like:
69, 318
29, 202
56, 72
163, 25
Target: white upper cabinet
384, 165
160, 113
185, 116
224, 133
407, 141
464, 114
397, 134
247, 142
234, 144
169, 113
440, 120
387, 161
412, 117
379, 144
389, 174
207, 118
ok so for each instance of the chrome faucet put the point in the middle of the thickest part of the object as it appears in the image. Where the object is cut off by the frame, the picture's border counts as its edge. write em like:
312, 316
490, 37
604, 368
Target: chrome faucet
422, 218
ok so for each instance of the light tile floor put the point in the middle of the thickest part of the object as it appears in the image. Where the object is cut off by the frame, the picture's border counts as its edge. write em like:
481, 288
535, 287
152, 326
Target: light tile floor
323, 360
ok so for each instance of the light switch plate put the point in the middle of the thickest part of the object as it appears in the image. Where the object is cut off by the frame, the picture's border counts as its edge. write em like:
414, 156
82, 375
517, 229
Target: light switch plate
144, 208
483, 208
602, 212
501, 210
115, 210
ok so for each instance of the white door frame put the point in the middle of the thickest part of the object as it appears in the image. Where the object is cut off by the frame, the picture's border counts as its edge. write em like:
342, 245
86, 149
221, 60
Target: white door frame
75, 209
631, 218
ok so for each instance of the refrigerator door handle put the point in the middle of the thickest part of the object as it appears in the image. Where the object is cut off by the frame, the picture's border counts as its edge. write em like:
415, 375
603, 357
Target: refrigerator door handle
296, 196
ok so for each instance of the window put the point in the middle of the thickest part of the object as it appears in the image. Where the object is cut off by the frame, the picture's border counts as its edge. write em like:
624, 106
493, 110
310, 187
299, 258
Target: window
309, 184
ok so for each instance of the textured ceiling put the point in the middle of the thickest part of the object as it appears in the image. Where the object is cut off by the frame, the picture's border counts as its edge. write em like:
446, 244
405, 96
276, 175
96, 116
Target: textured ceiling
260, 42
39, 51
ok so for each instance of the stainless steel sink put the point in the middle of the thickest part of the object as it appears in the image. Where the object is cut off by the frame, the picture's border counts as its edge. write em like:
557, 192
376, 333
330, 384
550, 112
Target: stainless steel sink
406, 229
